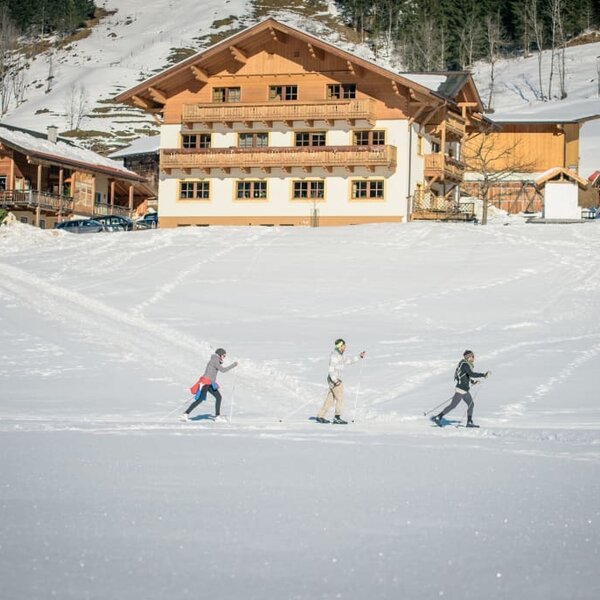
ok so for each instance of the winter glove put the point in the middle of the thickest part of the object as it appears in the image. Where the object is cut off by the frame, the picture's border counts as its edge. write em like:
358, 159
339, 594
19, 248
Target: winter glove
234, 364
362, 354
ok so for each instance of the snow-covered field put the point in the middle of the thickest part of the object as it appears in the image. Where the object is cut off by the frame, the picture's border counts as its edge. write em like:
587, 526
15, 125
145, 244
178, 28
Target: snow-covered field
105, 494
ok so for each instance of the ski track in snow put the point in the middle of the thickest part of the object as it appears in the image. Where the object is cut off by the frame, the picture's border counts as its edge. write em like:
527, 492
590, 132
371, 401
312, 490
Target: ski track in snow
165, 350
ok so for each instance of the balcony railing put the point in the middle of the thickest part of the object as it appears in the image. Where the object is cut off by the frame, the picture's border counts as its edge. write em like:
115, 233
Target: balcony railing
455, 125
428, 206
282, 157
104, 209
239, 112
31, 199
443, 167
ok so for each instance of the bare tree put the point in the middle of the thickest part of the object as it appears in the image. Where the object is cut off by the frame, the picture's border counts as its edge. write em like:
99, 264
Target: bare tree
494, 39
493, 162
554, 9
76, 106
537, 26
471, 39
8, 40
425, 47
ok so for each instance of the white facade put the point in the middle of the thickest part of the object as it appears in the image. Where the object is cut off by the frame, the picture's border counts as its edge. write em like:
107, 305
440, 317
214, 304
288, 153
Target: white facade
561, 200
337, 201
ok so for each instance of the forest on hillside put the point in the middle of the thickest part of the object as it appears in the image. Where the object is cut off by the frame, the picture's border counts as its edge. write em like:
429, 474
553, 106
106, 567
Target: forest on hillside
437, 35
46, 16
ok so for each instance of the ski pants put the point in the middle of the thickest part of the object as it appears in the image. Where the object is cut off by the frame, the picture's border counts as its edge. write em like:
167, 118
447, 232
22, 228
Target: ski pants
334, 395
456, 401
205, 389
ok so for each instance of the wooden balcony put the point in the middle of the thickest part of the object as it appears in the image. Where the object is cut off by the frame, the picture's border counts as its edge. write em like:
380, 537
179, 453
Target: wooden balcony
455, 127
32, 200
104, 209
442, 167
288, 112
326, 157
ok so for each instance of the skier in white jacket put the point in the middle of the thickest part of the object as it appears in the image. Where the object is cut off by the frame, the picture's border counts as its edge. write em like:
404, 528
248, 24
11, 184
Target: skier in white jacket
335, 375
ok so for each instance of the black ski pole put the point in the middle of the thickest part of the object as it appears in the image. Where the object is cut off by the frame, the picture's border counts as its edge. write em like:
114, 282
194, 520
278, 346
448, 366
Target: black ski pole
436, 407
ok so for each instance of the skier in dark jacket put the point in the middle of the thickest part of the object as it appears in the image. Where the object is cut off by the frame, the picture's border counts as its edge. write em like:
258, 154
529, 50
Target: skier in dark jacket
208, 383
464, 376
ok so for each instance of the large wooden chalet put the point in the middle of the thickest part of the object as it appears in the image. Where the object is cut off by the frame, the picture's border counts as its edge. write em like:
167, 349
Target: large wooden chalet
274, 126
45, 179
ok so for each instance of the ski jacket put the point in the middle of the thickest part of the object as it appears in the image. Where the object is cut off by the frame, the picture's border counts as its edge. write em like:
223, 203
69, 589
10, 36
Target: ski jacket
336, 366
463, 375
214, 366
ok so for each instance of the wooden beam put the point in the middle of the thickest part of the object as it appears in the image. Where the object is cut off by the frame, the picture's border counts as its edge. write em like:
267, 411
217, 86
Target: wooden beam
200, 74
238, 54
278, 36
309, 122
157, 95
307, 169
140, 102
11, 183
315, 52
131, 186
61, 181
396, 88
265, 169
287, 169
112, 193
157, 119
39, 178
417, 114
354, 69
328, 168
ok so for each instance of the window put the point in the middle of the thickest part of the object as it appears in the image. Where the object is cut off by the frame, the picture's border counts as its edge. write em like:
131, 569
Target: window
226, 94
42, 224
196, 140
23, 219
374, 137
251, 189
253, 140
283, 92
310, 138
435, 147
341, 90
308, 189
3, 183
194, 190
366, 190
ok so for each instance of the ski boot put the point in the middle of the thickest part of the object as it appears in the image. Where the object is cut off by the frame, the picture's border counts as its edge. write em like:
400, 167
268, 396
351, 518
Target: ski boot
322, 420
470, 423
339, 421
437, 419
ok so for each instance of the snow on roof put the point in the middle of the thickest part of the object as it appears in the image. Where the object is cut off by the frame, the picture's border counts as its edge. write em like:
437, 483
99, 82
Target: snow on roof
144, 145
432, 81
35, 143
551, 112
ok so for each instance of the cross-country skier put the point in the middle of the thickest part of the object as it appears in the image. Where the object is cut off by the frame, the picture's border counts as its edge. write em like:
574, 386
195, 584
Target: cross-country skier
464, 376
208, 383
334, 381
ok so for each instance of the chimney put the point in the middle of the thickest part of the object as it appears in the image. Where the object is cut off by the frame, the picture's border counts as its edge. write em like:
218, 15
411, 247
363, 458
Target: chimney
52, 133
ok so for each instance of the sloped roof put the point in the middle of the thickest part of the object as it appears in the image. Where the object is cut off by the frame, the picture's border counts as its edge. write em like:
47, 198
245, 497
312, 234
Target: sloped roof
448, 86
61, 152
564, 111
562, 174
144, 145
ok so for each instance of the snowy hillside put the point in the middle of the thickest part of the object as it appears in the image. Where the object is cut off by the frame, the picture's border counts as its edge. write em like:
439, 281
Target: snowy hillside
105, 494
139, 39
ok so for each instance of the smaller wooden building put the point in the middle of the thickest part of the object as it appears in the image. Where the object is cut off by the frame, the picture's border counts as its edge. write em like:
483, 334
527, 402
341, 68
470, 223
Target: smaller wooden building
45, 179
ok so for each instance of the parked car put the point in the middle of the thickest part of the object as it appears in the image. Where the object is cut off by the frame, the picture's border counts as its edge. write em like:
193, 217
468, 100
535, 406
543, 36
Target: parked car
115, 222
148, 221
81, 226
590, 213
